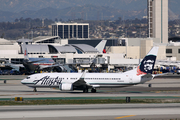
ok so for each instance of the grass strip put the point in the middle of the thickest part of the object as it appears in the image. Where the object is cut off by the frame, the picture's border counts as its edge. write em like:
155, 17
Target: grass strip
102, 101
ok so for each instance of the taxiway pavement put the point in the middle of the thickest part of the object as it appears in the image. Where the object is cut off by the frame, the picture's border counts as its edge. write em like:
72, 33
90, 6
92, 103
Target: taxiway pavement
161, 88
92, 112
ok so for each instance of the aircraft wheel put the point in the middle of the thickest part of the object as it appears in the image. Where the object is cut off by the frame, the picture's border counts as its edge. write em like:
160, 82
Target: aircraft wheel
93, 90
35, 90
85, 90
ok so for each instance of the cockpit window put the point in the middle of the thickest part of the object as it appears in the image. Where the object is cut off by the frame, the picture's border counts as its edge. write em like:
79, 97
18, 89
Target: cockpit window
27, 77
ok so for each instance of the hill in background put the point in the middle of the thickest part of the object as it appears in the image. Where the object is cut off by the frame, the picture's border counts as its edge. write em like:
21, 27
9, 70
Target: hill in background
79, 9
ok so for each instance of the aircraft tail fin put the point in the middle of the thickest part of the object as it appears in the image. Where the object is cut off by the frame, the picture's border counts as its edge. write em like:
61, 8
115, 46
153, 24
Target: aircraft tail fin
26, 57
147, 64
101, 46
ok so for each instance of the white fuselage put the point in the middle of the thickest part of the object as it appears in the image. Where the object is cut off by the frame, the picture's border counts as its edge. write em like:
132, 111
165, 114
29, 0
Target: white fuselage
96, 80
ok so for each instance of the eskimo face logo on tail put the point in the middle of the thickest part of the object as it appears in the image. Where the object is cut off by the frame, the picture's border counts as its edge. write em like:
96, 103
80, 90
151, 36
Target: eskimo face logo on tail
147, 65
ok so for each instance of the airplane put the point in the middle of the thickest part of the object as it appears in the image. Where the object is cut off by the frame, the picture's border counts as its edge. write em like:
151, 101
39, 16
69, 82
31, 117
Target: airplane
30, 64
33, 64
37, 64
84, 81
6, 63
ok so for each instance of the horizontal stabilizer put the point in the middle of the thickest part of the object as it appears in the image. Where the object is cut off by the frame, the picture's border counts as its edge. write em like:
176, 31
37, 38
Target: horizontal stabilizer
146, 78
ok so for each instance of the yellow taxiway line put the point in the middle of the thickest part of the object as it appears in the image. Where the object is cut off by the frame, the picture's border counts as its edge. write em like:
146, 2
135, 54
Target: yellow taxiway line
124, 116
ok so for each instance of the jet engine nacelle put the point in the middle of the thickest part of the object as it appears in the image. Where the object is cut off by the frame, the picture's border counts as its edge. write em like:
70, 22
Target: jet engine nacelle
60, 69
66, 86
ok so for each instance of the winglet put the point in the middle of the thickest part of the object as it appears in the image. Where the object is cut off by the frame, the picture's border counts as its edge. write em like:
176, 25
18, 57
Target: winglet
83, 75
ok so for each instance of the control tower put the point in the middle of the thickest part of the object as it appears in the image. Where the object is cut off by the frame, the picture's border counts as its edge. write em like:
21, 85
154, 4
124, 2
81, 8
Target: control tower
158, 19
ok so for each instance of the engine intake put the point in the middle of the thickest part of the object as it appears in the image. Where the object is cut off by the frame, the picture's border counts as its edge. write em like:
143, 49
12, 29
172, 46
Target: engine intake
66, 86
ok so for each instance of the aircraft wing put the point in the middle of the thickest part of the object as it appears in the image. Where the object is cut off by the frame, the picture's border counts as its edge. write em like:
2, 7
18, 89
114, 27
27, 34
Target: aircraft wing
80, 81
49, 66
34, 61
14, 65
2, 60
29, 62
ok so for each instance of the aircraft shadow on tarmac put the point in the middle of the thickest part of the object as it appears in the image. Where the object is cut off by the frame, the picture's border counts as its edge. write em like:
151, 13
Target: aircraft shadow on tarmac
127, 90
40, 91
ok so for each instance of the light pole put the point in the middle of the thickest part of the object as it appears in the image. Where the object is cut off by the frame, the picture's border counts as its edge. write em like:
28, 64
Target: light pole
126, 31
126, 46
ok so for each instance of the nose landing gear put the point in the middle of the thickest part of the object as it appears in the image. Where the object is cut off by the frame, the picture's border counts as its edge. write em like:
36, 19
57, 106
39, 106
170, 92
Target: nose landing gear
35, 90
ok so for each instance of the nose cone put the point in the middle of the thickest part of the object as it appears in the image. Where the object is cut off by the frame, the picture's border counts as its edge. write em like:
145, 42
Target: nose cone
23, 81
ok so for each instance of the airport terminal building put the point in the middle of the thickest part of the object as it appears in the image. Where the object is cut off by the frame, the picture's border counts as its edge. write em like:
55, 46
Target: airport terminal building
70, 30
62, 54
122, 51
70, 43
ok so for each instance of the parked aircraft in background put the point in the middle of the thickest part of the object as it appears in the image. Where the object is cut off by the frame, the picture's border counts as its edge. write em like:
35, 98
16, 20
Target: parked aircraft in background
100, 46
84, 81
6, 64
37, 64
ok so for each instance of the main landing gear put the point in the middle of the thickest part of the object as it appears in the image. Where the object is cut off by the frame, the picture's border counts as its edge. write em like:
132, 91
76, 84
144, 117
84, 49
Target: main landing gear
35, 90
93, 90
85, 90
